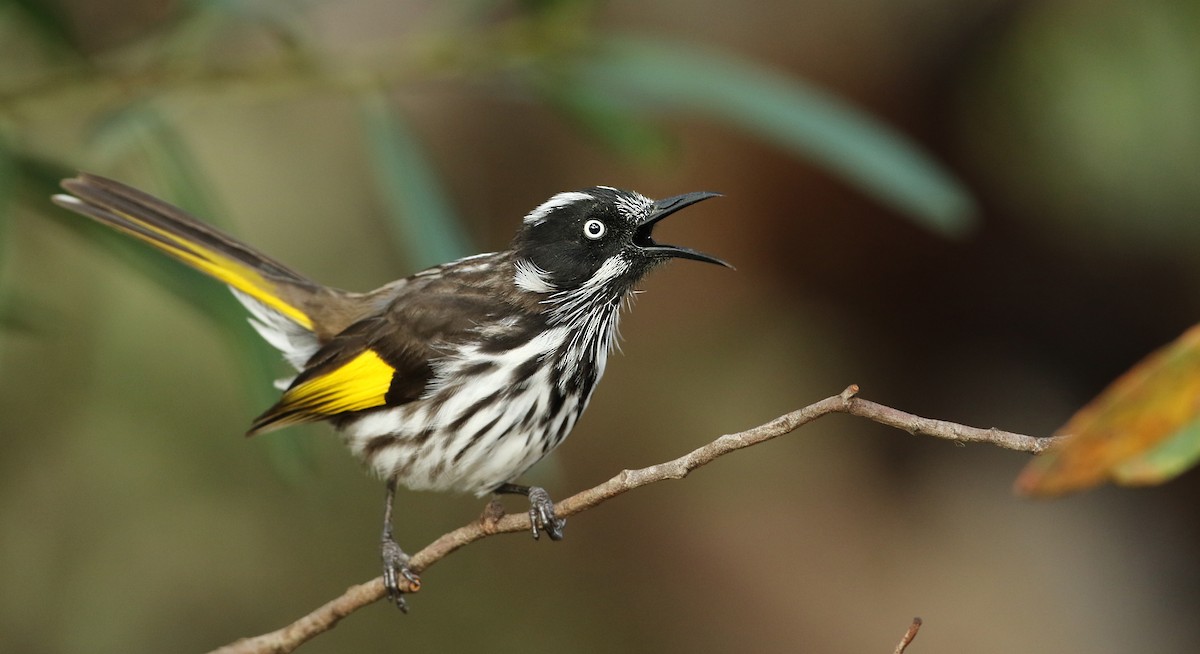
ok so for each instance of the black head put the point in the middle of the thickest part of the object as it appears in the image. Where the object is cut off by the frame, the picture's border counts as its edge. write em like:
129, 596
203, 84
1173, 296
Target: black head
599, 234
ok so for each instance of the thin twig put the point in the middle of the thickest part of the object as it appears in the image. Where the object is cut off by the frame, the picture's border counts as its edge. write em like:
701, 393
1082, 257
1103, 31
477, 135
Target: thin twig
356, 597
908, 636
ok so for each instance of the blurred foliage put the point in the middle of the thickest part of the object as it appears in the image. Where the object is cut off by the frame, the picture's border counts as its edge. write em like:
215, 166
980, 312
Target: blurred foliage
1074, 121
1096, 126
611, 82
192, 287
1092, 133
1143, 429
554, 49
422, 220
641, 73
126, 95
49, 22
10, 312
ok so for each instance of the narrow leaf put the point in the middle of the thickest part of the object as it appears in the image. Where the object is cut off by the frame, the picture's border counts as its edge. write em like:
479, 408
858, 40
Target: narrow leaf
423, 223
786, 111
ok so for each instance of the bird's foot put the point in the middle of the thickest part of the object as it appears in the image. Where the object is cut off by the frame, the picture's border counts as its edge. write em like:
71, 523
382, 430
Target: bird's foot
398, 579
541, 515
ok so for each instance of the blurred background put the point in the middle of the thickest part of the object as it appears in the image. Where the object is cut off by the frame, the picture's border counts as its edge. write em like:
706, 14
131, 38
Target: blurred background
980, 210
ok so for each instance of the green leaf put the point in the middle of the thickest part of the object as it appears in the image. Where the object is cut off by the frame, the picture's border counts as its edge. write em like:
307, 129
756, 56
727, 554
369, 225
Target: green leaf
422, 221
786, 111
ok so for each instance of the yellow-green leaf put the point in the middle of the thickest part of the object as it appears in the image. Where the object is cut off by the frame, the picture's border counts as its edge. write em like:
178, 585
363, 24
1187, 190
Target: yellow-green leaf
1164, 462
1143, 429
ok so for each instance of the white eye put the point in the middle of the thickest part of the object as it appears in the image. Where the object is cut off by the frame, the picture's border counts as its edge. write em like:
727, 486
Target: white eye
594, 229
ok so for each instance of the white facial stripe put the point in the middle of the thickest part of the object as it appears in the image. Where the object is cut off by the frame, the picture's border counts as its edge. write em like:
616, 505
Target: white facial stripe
609, 270
633, 205
558, 201
571, 306
531, 278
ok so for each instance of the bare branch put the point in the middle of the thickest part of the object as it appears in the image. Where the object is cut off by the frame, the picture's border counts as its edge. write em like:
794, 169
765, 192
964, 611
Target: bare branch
908, 636
493, 522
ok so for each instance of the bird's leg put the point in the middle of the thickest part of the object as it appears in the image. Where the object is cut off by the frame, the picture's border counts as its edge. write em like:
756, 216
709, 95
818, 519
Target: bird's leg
541, 509
395, 561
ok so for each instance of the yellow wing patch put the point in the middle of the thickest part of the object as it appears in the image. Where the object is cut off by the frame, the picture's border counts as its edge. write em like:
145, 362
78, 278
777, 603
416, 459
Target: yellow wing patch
216, 265
360, 383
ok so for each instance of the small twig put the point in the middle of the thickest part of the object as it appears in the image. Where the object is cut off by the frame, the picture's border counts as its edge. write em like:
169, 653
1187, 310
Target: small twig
908, 636
325, 617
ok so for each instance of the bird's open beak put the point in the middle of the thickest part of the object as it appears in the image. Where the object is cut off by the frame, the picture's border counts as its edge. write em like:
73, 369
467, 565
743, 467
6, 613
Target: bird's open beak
661, 209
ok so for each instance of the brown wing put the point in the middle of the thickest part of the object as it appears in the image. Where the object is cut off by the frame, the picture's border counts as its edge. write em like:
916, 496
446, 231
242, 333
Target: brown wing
386, 359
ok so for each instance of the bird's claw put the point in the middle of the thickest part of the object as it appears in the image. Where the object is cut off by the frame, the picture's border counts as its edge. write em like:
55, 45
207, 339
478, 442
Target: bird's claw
395, 569
541, 515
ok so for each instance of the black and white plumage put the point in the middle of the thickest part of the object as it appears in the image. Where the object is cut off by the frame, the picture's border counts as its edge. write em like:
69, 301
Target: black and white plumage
458, 378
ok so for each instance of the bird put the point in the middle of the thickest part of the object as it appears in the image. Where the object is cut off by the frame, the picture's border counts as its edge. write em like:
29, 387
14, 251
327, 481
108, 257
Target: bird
457, 378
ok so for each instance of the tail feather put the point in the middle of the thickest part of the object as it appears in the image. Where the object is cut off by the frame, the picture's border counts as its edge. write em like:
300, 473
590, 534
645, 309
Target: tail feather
297, 343
173, 231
